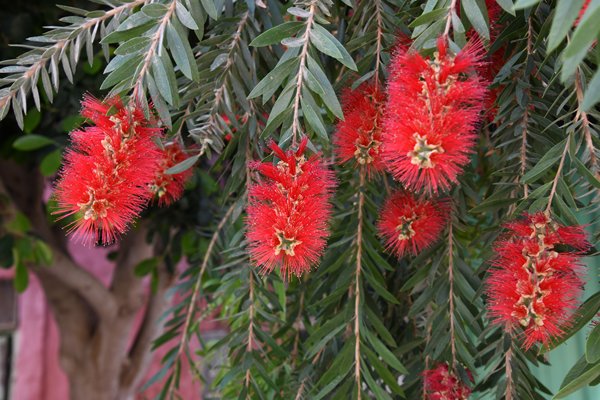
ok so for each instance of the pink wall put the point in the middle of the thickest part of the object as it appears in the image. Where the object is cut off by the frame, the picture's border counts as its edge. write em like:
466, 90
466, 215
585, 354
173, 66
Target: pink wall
38, 374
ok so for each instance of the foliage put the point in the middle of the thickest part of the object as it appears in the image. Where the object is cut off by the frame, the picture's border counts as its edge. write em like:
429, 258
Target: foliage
228, 76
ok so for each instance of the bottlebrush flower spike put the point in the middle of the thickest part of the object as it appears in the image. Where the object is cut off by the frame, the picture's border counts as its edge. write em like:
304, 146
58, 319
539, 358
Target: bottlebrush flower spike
533, 284
410, 224
168, 188
106, 172
288, 211
433, 107
358, 136
441, 384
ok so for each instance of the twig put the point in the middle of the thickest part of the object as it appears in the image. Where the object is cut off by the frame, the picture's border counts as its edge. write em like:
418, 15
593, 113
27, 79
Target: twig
508, 372
557, 176
449, 19
379, 11
155, 43
451, 293
361, 203
525, 123
299, 79
196, 291
250, 344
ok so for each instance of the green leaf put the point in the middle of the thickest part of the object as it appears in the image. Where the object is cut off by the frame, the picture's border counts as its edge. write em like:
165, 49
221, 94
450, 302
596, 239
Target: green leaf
428, 17
154, 10
564, 16
31, 121
132, 46
21, 279
32, 142
583, 315
507, 5
277, 34
547, 161
185, 17
159, 73
578, 377
587, 174
123, 72
42, 253
273, 79
324, 41
476, 17
51, 163
520, 4
592, 93
183, 166
385, 353
210, 8
585, 33
346, 59
182, 53
317, 82
592, 346
146, 266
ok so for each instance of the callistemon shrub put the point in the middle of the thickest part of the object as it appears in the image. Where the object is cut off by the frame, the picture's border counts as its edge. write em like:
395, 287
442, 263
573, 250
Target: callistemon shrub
358, 135
289, 210
535, 282
434, 104
410, 223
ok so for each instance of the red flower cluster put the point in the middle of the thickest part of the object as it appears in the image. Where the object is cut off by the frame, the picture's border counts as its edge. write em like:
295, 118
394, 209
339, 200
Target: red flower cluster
358, 136
288, 211
532, 284
441, 384
433, 107
107, 172
169, 187
411, 224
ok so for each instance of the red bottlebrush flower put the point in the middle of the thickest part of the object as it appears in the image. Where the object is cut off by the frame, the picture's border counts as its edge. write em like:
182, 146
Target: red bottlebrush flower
410, 224
168, 188
441, 384
358, 136
288, 211
532, 284
106, 173
432, 110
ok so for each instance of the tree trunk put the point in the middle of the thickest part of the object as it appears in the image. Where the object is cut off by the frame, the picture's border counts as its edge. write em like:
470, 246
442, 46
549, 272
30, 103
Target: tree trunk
96, 323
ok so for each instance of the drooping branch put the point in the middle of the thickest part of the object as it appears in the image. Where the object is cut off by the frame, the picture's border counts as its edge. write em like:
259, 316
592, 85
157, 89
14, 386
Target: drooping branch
508, 393
32, 73
449, 18
525, 120
379, 17
251, 311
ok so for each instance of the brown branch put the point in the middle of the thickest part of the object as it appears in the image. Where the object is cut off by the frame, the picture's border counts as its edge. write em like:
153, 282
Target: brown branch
155, 43
525, 122
361, 203
299, 78
449, 19
508, 393
557, 176
451, 293
196, 292
250, 344
379, 11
